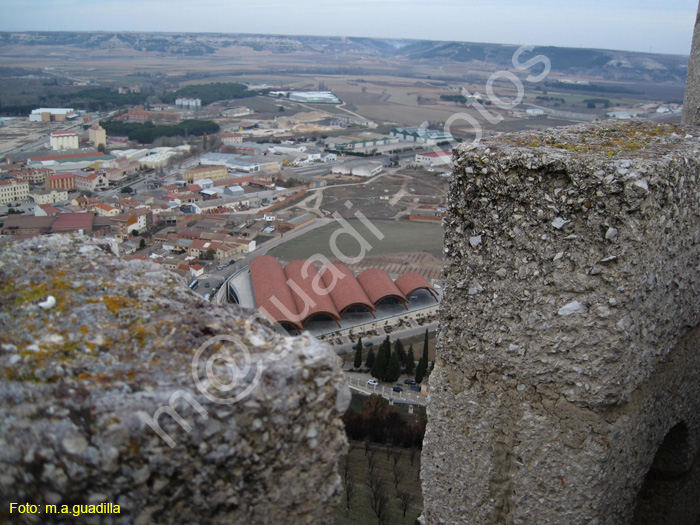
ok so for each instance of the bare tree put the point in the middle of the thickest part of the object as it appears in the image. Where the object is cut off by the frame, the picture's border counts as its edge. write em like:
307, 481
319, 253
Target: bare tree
412, 453
396, 470
372, 460
405, 500
378, 497
349, 487
346, 468
348, 483
389, 448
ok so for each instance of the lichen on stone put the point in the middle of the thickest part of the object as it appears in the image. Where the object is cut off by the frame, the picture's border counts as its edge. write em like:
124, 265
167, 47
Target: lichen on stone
80, 380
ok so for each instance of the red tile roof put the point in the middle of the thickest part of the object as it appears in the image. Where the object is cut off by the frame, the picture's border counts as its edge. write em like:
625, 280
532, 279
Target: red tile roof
410, 283
49, 209
105, 207
70, 156
345, 289
295, 294
272, 295
5, 182
309, 291
379, 286
76, 221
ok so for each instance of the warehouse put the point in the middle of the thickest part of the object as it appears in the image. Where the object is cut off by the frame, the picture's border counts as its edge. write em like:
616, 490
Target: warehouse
52, 114
315, 97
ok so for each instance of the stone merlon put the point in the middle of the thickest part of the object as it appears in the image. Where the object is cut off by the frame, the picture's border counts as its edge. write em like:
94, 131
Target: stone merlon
119, 385
567, 351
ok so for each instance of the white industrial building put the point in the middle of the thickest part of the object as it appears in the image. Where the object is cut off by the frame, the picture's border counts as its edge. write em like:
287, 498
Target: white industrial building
434, 158
61, 140
317, 97
534, 112
285, 149
131, 154
52, 114
359, 168
159, 159
429, 137
360, 141
188, 103
238, 111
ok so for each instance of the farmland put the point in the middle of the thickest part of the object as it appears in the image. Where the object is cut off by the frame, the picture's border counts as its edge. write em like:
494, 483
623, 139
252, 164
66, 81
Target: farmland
398, 237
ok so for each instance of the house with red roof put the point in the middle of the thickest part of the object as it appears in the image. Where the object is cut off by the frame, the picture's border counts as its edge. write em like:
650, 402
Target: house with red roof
91, 181
105, 210
434, 158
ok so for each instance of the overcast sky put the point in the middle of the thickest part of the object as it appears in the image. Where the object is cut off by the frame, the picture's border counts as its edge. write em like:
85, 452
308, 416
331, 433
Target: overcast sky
660, 26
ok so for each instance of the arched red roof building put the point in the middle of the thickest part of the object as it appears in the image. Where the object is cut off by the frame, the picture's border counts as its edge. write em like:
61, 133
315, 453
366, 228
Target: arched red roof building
272, 294
309, 291
410, 283
379, 286
297, 293
346, 290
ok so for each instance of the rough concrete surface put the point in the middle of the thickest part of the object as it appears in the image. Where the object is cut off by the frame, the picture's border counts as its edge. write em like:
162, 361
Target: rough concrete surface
568, 347
691, 100
92, 346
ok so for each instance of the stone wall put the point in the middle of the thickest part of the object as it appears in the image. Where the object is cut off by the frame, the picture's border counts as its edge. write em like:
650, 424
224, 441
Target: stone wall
568, 348
91, 347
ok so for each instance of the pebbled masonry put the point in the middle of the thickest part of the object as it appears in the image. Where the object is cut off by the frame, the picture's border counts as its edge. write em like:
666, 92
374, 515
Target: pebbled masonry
568, 341
82, 373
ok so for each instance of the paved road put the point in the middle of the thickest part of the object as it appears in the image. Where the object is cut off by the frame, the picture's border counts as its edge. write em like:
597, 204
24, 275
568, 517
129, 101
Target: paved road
358, 382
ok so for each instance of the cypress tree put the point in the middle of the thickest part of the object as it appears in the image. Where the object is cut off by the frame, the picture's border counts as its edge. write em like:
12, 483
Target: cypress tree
393, 371
380, 364
410, 361
398, 348
369, 363
420, 370
425, 348
358, 354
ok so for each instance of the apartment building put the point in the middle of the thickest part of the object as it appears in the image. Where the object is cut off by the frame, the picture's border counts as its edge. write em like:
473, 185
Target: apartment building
12, 190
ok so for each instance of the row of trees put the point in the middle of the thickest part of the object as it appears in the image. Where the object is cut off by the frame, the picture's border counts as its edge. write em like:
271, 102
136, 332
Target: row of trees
388, 365
149, 132
378, 492
380, 423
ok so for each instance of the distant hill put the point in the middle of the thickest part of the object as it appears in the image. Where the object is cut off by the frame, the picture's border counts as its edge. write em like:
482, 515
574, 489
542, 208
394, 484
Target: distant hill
601, 63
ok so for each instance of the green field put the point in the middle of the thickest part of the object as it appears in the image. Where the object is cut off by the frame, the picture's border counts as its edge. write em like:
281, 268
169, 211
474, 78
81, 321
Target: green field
398, 237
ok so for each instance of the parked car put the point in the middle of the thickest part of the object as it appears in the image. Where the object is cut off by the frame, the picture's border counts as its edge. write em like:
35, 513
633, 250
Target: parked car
354, 347
397, 389
369, 343
409, 382
220, 268
373, 382
206, 285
